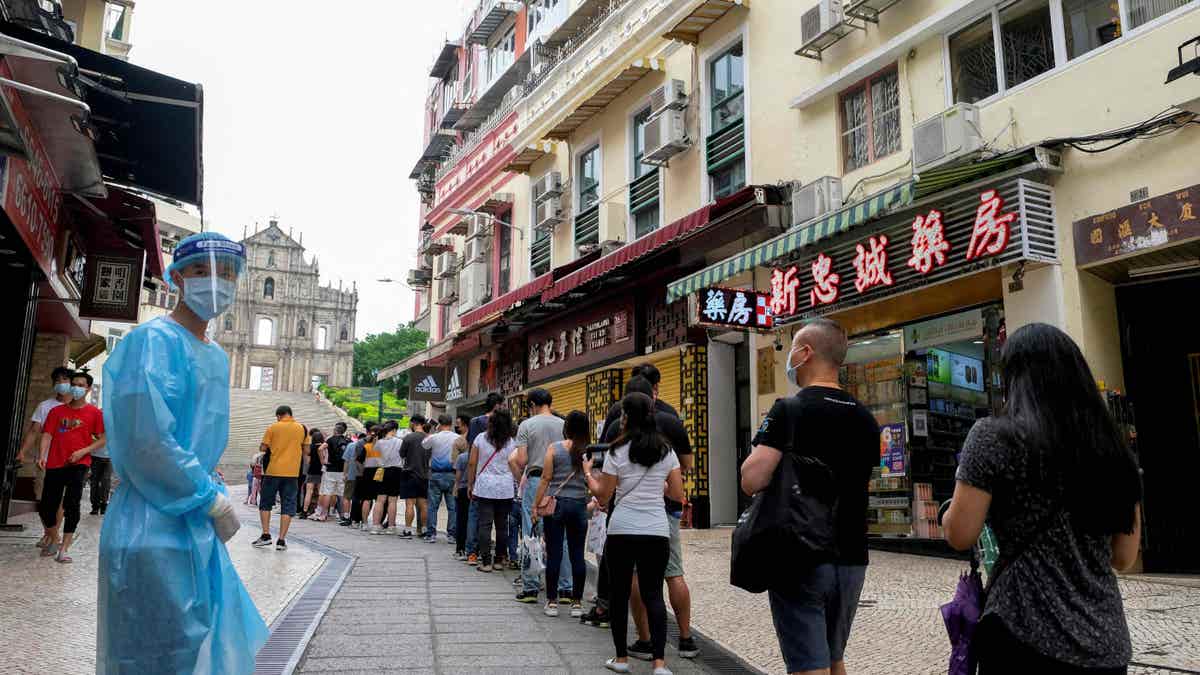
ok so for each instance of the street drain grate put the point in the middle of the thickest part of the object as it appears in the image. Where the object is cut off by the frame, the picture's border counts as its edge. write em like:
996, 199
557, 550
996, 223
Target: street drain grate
295, 626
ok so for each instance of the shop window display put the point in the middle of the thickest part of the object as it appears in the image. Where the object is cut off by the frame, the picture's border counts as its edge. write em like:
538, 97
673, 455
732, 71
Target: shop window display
925, 395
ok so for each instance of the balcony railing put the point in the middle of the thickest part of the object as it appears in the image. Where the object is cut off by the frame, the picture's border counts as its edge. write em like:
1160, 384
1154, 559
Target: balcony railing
474, 138
546, 59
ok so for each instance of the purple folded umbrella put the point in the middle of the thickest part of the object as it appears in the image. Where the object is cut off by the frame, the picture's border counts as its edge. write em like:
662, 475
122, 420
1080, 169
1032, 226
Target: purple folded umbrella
961, 616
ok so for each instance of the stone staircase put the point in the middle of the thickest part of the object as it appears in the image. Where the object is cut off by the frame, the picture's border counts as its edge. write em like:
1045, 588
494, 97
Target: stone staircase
252, 411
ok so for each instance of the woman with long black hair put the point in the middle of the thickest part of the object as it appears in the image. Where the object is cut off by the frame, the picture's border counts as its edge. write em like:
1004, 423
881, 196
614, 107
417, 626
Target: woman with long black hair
490, 485
562, 479
1058, 485
638, 467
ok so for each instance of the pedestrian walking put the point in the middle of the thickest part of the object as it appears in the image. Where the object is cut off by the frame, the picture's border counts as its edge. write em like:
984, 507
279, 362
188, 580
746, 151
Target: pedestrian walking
389, 449
69, 436
284, 440
490, 484
813, 618
635, 471
312, 474
333, 479
60, 380
534, 437
169, 599
1055, 480
441, 478
100, 480
561, 500
414, 477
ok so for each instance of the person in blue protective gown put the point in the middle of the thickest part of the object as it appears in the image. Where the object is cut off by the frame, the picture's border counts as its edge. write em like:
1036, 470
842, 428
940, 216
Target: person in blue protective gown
170, 600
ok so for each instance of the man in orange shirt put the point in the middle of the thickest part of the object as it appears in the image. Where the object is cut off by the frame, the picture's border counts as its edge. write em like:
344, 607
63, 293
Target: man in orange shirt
284, 441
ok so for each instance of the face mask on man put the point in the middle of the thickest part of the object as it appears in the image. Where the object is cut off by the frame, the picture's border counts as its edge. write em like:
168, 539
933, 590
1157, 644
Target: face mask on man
78, 392
208, 296
62, 388
793, 371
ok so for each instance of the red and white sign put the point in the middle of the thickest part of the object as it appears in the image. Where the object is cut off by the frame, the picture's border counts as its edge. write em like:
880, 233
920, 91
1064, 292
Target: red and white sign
825, 283
991, 231
929, 245
871, 264
495, 142
30, 190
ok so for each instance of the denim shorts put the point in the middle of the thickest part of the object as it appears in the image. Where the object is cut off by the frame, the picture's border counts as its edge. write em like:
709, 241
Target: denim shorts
285, 488
813, 624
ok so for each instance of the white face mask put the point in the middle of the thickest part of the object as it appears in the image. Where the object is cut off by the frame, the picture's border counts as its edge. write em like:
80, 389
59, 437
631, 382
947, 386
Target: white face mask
793, 370
208, 296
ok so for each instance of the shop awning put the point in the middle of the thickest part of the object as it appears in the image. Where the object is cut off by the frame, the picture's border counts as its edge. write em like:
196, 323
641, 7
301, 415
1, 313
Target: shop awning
147, 125
704, 15
415, 360
122, 220
507, 301
438, 146
798, 237
530, 154
660, 238
870, 208
602, 95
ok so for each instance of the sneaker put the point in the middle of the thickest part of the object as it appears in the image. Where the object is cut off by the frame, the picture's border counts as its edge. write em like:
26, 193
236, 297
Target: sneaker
576, 610
527, 598
450, 539
280, 545
485, 568
429, 539
345, 522
472, 560
264, 540
641, 649
551, 609
302, 515
663, 671
688, 648
458, 555
595, 618
514, 565
407, 534
616, 666
375, 530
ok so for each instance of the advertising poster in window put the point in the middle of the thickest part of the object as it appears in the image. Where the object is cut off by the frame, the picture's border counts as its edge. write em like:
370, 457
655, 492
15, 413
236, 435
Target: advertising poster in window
891, 449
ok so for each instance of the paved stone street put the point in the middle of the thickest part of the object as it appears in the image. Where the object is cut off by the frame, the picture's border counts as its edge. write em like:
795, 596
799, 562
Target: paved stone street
48, 610
898, 628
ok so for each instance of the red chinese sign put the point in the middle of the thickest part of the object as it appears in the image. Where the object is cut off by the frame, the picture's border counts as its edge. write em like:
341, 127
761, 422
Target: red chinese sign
928, 250
30, 190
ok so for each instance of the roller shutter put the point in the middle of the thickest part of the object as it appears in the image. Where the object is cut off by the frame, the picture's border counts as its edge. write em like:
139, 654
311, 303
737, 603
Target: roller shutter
569, 397
669, 387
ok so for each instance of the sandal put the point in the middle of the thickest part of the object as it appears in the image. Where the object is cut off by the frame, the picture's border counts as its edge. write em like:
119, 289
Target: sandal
51, 549
60, 558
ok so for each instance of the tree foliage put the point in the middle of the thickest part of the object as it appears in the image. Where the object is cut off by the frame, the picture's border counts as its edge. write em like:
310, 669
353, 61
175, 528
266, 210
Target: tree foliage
378, 351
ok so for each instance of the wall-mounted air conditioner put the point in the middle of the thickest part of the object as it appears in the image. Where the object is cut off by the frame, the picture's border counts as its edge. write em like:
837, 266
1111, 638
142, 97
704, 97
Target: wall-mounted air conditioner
547, 214
445, 265
419, 278
816, 21
666, 136
447, 291
670, 96
548, 186
946, 137
478, 225
815, 199
477, 250
473, 286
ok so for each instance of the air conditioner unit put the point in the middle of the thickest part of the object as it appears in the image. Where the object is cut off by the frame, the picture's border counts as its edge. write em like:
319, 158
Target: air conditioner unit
447, 291
478, 225
445, 265
478, 250
669, 96
548, 186
815, 199
419, 278
947, 137
819, 19
666, 136
547, 214
473, 286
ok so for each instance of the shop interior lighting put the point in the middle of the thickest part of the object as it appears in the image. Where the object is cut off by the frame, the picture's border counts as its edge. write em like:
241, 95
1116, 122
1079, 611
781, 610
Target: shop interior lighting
1151, 270
1191, 67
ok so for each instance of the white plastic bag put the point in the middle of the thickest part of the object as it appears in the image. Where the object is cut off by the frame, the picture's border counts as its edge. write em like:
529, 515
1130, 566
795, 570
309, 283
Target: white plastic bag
597, 533
532, 551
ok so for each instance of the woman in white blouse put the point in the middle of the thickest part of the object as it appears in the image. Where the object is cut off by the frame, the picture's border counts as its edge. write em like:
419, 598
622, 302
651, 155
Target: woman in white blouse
641, 467
490, 486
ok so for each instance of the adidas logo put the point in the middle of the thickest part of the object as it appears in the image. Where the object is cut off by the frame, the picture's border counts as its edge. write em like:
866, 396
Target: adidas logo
428, 386
454, 388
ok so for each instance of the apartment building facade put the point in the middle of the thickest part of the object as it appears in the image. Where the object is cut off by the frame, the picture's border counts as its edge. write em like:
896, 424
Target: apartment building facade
933, 174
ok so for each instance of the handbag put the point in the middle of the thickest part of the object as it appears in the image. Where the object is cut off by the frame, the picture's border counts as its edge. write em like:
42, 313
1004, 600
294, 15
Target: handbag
788, 525
548, 504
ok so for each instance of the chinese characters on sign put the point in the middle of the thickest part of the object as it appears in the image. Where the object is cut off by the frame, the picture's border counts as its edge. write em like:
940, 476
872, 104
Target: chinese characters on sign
579, 341
926, 251
1145, 225
734, 308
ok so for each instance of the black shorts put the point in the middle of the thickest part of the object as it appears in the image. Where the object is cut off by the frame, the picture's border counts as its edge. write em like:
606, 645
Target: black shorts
392, 481
413, 486
366, 488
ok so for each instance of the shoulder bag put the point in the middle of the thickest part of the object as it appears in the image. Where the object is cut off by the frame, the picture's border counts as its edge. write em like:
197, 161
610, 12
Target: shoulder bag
548, 504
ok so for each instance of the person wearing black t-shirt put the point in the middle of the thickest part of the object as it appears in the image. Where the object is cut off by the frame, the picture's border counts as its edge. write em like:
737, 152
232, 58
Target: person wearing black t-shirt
671, 427
826, 423
333, 480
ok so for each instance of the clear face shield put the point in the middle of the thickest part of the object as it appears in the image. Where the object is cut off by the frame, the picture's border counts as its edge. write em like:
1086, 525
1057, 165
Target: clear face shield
209, 271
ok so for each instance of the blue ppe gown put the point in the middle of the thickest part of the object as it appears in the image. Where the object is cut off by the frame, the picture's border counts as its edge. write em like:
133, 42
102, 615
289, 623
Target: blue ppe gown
170, 600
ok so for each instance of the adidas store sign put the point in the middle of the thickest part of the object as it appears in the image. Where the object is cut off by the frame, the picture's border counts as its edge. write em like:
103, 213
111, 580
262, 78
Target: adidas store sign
426, 384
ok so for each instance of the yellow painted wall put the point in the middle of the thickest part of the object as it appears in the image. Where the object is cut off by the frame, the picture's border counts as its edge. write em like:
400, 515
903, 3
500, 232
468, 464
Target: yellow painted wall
88, 16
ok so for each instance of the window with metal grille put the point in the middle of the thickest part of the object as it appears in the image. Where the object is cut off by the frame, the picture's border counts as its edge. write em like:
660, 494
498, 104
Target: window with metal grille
725, 146
1026, 48
871, 120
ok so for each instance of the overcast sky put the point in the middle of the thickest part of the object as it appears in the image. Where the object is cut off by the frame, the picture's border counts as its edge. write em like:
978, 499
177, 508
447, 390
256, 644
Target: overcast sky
312, 112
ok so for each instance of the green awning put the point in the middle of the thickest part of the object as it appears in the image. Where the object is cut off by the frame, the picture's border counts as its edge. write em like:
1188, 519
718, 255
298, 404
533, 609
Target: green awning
796, 238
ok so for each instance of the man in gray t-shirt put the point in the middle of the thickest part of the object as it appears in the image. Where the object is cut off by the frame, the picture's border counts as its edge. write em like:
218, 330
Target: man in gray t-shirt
534, 436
